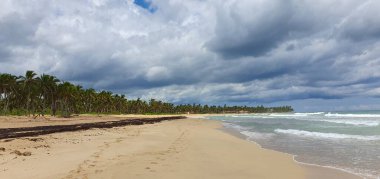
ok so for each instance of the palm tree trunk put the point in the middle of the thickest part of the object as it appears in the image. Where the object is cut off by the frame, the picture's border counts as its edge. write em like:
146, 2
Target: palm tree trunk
53, 107
43, 107
6, 97
27, 103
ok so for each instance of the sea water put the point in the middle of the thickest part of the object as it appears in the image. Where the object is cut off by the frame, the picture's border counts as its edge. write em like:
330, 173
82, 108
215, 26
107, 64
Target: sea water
345, 140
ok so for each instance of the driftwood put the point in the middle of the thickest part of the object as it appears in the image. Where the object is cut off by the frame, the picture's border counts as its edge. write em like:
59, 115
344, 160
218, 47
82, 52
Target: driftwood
6, 133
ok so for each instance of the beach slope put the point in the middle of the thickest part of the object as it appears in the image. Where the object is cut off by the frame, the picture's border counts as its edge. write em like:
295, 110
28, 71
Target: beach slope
186, 148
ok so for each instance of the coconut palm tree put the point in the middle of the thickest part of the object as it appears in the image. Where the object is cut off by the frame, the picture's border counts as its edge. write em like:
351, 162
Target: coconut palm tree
48, 92
66, 92
88, 101
28, 84
8, 85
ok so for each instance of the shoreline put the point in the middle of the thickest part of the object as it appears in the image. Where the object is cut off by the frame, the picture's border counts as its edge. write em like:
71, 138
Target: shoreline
312, 168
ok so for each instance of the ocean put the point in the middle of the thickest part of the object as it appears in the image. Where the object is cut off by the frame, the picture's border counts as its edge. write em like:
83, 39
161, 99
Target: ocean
348, 141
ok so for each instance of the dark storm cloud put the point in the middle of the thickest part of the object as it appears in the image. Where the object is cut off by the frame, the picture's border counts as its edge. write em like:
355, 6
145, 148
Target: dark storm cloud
254, 28
241, 34
233, 51
16, 30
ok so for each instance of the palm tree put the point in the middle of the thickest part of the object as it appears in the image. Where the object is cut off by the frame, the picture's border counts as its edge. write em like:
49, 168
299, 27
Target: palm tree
104, 102
66, 92
89, 100
120, 103
8, 85
28, 83
48, 91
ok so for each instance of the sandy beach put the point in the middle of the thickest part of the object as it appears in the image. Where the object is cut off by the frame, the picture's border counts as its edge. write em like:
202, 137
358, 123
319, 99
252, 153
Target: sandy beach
186, 148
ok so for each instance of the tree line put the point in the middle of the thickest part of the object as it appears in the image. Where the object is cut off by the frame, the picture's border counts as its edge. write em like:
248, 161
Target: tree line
46, 94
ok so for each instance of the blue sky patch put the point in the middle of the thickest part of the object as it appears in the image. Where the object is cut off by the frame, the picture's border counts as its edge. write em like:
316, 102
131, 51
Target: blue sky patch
146, 4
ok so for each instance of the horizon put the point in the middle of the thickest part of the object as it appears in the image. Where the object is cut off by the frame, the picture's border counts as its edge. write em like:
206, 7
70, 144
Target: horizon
319, 56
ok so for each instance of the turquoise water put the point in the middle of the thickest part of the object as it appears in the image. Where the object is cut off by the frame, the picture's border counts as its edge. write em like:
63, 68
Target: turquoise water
344, 140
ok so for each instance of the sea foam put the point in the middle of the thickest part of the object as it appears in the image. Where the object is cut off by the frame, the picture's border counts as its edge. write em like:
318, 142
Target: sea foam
353, 115
355, 122
325, 135
253, 135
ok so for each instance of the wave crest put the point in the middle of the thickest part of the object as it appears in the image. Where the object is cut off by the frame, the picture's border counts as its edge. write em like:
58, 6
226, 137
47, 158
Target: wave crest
353, 115
325, 135
253, 135
355, 122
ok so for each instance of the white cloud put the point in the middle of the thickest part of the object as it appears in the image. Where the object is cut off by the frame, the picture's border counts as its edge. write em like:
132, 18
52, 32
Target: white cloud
207, 51
157, 73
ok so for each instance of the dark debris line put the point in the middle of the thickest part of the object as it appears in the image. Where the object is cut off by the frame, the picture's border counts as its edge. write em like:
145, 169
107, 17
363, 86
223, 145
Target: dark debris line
7, 133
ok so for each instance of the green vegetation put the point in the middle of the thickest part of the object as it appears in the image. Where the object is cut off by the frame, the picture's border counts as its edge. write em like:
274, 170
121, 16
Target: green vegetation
46, 94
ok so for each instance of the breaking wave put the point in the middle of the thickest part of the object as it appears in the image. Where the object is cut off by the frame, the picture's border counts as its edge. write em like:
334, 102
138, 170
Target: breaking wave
355, 122
353, 115
325, 135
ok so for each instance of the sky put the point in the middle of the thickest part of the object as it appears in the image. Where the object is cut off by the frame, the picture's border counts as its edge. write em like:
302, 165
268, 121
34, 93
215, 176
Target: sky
314, 55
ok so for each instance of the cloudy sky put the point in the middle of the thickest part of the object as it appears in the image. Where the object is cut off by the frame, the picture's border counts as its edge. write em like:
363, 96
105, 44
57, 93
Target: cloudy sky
314, 55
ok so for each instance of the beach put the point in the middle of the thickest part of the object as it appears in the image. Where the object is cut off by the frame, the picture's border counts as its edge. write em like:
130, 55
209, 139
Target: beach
185, 148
